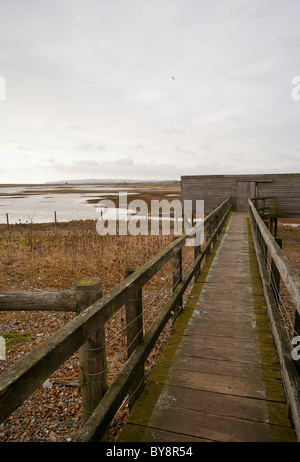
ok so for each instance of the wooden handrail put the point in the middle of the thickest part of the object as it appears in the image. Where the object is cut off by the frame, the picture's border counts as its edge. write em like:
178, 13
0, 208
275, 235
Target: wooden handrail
62, 300
264, 242
287, 272
255, 199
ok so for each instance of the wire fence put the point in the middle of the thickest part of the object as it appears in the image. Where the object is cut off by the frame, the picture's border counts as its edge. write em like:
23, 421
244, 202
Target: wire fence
284, 302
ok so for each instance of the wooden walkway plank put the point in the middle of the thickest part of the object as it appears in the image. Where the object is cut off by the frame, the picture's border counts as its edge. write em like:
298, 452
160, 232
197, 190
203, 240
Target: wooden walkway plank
218, 378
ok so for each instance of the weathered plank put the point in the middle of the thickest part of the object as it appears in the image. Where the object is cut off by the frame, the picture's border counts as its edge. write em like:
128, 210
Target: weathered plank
153, 434
228, 385
239, 407
208, 365
214, 427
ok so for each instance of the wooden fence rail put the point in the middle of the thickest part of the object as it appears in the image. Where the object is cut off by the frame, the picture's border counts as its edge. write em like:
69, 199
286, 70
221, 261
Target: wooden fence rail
267, 209
21, 379
265, 205
62, 300
274, 266
103, 414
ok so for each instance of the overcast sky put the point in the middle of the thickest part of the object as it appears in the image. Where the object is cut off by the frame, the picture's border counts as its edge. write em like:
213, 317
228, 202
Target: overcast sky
147, 89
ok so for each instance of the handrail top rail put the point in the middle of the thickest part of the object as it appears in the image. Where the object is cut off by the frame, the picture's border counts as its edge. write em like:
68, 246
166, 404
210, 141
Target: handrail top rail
262, 198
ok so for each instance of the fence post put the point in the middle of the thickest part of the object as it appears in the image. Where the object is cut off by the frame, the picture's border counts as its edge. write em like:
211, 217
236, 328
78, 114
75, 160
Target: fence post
92, 355
275, 226
275, 275
134, 333
272, 226
296, 326
208, 232
263, 246
197, 250
216, 221
177, 270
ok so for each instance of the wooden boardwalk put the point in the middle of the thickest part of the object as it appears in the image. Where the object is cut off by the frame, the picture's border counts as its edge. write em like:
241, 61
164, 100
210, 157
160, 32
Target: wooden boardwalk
218, 378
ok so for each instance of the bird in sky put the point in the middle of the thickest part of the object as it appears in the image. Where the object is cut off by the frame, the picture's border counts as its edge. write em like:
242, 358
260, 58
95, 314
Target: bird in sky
173, 77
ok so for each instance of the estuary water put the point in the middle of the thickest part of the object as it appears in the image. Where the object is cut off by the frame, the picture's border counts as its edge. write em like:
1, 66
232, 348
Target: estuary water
31, 204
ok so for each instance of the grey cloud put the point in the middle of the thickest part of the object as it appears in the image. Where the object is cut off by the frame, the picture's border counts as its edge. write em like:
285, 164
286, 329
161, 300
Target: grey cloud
22, 148
79, 128
186, 151
75, 66
88, 147
144, 169
81, 166
126, 161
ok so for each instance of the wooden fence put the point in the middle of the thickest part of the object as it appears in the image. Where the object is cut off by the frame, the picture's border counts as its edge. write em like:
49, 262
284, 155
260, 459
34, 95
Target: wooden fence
86, 331
267, 209
275, 268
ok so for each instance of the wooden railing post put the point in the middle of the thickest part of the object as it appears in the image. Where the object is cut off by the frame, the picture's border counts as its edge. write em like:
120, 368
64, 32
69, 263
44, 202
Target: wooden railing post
209, 231
216, 221
134, 330
262, 244
177, 269
197, 250
275, 275
92, 354
296, 328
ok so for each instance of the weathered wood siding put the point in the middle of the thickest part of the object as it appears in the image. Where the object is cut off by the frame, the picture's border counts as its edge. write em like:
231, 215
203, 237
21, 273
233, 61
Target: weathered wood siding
213, 189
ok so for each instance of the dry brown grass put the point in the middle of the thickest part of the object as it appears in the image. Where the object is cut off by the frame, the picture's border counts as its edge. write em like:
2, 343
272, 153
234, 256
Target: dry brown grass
49, 257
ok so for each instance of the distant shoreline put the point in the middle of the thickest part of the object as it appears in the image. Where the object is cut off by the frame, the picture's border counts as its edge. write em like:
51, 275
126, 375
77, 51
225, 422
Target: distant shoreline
104, 183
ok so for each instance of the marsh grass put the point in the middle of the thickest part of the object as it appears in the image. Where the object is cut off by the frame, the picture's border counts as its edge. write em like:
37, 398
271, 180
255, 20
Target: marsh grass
51, 257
